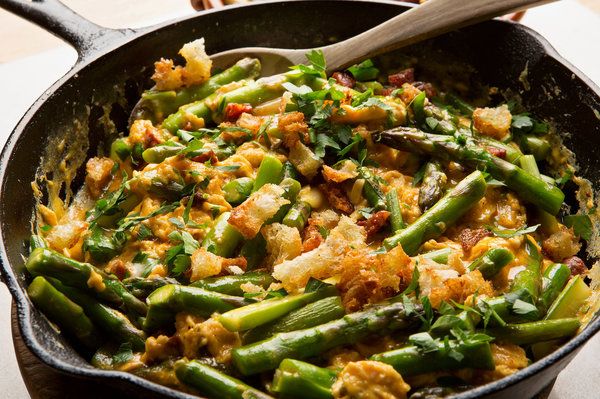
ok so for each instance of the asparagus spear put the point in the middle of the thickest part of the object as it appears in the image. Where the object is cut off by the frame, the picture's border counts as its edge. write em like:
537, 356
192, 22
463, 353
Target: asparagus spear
432, 188
302, 344
68, 315
142, 287
410, 360
252, 93
536, 146
371, 190
213, 383
158, 104
555, 278
36, 241
439, 256
84, 276
548, 221
170, 299
393, 205
299, 380
537, 331
435, 221
236, 191
530, 188
528, 282
492, 261
257, 314
570, 299
270, 170
313, 314
160, 152
298, 215
230, 285
459, 104
115, 324
223, 238
254, 250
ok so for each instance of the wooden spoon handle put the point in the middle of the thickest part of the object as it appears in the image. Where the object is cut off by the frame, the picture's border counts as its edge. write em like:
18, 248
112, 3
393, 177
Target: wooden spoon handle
430, 19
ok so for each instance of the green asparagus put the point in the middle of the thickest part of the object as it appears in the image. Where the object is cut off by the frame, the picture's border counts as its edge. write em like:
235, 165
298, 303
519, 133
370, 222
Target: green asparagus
302, 344
313, 314
236, 191
68, 315
537, 331
84, 276
435, 221
462, 149
298, 215
432, 187
213, 383
299, 380
166, 301
223, 238
231, 285
491, 262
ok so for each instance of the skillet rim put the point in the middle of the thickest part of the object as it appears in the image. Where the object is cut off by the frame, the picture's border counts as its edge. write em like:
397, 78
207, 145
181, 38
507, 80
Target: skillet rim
25, 307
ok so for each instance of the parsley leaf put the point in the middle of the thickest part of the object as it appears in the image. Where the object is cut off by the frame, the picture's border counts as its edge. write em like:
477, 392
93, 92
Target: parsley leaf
364, 71
581, 224
124, 354
424, 341
324, 141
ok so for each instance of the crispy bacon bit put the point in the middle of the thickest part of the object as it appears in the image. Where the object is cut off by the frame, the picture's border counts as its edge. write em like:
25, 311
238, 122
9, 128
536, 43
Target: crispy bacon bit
469, 237
337, 198
497, 152
388, 91
428, 88
311, 238
205, 156
374, 223
405, 76
576, 265
240, 262
234, 110
344, 79
118, 268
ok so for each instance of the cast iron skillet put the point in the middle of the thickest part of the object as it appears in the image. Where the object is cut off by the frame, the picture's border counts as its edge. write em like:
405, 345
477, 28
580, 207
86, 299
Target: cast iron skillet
113, 63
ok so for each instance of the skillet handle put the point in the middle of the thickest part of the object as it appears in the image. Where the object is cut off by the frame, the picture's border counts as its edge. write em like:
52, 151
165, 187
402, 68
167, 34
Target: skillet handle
52, 15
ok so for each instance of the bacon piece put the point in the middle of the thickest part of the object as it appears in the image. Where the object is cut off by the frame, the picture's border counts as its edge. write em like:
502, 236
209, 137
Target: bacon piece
428, 88
374, 223
497, 152
311, 238
337, 198
208, 155
576, 265
404, 76
469, 237
344, 79
234, 110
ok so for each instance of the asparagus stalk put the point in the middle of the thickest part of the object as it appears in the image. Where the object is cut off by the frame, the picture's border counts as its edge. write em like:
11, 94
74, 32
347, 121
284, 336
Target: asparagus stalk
252, 93
570, 299
257, 314
114, 324
528, 283
548, 221
269, 171
160, 152
298, 215
529, 187
371, 190
439, 256
435, 221
36, 241
223, 238
158, 104
513, 154
459, 104
291, 189
302, 344
313, 314
236, 191
231, 285
537, 331
84, 276
299, 380
68, 315
393, 205
142, 287
254, 250
170, 299
410, 360
213, 383
432, 188
492, 261
555, 278
536, 146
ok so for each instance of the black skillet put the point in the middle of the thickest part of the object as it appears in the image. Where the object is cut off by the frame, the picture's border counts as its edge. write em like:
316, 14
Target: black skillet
117, 63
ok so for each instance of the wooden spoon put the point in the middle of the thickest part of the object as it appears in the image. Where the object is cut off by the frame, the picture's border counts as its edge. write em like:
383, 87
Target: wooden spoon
430, 19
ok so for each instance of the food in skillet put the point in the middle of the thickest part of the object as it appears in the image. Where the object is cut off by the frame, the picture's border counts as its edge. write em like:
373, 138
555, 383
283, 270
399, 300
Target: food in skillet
297, 236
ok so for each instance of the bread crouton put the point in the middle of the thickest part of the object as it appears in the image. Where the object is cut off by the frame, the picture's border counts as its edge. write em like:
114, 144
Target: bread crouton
323, 261
493, 122
196, 70
251, 214
283, 243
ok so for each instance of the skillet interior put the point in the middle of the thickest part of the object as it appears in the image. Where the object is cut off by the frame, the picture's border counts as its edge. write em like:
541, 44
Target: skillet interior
498, 51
